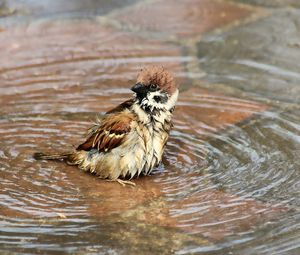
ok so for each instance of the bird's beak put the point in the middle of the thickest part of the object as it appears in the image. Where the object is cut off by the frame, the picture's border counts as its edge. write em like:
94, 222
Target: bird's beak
139, 88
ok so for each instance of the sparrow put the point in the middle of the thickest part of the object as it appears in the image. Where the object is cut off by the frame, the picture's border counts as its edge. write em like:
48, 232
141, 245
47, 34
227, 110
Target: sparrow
131, 138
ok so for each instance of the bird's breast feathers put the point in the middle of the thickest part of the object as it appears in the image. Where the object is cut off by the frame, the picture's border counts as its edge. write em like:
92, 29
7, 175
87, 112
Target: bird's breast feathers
125, 144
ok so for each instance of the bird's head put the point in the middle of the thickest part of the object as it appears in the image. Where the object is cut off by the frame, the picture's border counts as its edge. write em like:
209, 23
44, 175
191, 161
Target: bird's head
155, 89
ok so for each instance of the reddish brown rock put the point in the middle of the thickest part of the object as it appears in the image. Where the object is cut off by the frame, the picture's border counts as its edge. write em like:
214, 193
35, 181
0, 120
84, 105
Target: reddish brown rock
212, 214
183, 19
205, 112
48, 63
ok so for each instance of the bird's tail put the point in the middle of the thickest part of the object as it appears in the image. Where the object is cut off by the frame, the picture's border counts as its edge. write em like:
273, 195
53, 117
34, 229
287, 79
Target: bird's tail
40, 155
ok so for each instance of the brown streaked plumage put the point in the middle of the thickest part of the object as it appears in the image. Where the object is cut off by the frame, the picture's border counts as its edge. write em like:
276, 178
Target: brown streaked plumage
131, 138
157, 75
109, 134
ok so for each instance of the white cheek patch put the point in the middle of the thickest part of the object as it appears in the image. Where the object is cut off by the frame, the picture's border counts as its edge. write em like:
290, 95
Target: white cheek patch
151, 103
142, 115
172, 100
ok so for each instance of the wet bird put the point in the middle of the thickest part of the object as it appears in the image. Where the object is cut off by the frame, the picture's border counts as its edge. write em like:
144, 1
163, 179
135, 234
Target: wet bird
130, 139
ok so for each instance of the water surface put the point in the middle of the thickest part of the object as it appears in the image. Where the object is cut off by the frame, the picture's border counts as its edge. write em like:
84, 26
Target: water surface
229, 182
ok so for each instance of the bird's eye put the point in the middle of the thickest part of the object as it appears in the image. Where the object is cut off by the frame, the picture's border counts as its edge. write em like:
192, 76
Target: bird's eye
153, 86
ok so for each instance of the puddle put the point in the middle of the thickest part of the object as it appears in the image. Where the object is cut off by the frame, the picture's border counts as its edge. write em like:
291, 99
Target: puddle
229, 182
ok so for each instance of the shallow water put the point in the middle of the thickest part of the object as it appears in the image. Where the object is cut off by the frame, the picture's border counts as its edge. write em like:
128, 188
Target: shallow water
229, 182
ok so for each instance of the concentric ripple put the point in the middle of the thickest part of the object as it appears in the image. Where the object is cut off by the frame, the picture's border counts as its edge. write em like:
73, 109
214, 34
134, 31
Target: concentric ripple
229, 179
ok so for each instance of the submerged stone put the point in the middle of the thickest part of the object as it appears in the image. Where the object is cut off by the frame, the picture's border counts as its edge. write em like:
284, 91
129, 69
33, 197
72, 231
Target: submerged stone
261, 58
181, 19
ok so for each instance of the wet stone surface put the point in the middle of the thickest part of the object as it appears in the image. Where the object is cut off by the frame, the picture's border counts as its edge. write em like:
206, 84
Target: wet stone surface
253, 158
59, 7
260, 58
272, 3
59, 60
178, 19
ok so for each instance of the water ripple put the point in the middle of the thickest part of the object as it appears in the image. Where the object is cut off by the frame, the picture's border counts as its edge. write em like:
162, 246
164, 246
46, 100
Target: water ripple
229, 174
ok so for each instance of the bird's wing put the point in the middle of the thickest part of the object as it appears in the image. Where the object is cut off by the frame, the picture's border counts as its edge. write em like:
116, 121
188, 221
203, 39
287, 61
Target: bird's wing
109, 133
121, 107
